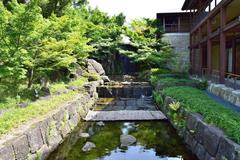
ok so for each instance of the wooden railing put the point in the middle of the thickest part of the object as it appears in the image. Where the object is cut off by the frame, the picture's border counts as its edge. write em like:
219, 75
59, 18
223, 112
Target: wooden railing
205, 73
232, 80
215, 76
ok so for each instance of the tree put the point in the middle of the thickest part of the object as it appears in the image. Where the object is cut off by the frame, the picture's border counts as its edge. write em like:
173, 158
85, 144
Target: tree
19, 28
147, 50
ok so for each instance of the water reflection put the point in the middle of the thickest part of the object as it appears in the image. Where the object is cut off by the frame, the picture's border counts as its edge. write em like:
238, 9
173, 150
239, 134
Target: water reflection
155, 141
137, 153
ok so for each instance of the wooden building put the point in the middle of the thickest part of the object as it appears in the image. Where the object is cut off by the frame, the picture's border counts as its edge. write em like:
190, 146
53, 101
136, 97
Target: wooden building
176, 27
215, 40
178, 22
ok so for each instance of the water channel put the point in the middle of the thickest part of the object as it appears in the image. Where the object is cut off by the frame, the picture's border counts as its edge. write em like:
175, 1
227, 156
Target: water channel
155, 140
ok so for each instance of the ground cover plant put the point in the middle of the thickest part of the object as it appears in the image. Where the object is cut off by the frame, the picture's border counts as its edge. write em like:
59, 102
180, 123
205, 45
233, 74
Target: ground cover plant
195, 100
16, 115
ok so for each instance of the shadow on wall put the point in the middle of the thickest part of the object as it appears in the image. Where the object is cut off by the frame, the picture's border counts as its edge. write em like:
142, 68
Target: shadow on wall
119, 64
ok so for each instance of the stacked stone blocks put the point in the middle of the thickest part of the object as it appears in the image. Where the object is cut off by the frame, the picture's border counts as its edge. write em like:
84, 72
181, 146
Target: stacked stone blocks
38, 139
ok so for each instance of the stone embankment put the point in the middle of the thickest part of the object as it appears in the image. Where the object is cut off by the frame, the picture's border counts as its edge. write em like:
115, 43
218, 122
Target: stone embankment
204, 140
228, 94
37, 139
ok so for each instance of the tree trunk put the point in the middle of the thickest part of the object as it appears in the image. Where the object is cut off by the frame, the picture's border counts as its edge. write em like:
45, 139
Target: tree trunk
30, 78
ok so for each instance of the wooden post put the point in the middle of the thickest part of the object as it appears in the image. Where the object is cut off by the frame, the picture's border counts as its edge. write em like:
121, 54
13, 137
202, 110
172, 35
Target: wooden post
223, 50
209, 50
164, 24
191, 55
234, 55
179, 24
200, 52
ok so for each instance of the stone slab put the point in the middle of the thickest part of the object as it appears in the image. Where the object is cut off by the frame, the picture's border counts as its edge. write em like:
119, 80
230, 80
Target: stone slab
124, 115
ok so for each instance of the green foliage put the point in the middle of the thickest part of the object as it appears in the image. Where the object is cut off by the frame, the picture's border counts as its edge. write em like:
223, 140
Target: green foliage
33, 47
202, 84
79, 82
148, 50
91, 76
158, 98
194, 100
18, 116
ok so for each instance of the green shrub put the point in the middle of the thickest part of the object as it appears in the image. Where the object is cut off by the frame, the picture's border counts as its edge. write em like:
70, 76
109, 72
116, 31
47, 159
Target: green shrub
195, 100
91, 76
157, 71
202, 85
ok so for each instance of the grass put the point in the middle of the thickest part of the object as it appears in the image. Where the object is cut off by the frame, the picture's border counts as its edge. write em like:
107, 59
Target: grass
28, 95
171, 81
17, 116
195, 100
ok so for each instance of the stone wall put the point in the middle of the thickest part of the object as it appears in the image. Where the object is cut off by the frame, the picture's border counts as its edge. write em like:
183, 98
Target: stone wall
37, 139
228, 94
180, 44
205, 141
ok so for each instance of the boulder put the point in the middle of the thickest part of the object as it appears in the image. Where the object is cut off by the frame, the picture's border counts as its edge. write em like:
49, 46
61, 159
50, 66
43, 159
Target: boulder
90, 131
95, 67
22, 105
101, 124
76, 71
84, 135
105, 78
88, 147
127, 140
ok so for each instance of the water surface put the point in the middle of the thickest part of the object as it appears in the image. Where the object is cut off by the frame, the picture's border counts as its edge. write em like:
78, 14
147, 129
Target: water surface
155, 141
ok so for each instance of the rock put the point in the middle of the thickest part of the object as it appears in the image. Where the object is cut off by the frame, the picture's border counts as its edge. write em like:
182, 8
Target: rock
168, 100
44, 152
90, 131
61, 91
127, 140
84, 135
34, 139
90, 88
45, 90
126, 83
105, 78
192, 121
73, 88
6, 153
88, 147
95, 67
76, 70
228, 149
45, 98
200, 152
101, 124
189, 139
22, 105
53, 136
211, 139
199, 133
128, 78
21, 148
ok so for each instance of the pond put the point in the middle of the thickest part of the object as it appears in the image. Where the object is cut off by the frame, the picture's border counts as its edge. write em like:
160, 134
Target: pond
155, 140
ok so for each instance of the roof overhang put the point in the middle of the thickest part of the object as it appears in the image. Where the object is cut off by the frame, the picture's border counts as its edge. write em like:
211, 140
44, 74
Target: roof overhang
193, 4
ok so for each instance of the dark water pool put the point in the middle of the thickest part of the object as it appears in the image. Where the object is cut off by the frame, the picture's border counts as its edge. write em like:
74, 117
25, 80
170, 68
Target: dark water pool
155, 141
